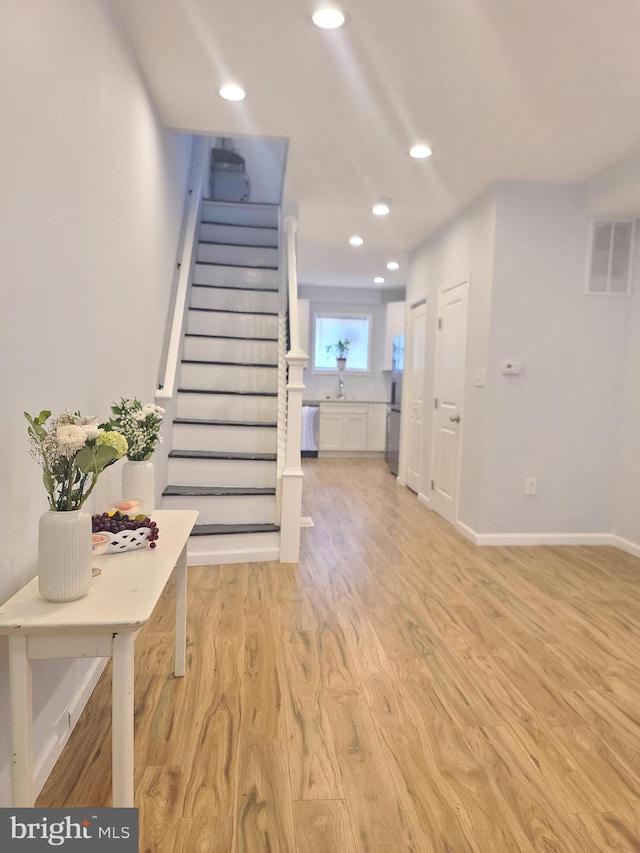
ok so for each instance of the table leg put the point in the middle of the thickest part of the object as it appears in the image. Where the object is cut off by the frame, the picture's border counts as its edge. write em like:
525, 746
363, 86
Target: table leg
20, 686
181, 614
122, 719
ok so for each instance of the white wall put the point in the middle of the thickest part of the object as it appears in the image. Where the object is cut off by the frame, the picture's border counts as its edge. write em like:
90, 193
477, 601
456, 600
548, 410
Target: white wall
626, 515
558, 421
92, 196
571, 419
327, 300
462, 249
265, 163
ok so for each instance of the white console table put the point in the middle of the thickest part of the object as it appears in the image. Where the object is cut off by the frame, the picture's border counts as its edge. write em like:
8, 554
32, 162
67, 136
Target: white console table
102, 624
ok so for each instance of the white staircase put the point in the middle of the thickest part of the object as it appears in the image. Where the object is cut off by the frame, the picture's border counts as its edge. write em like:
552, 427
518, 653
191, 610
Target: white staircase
223, 460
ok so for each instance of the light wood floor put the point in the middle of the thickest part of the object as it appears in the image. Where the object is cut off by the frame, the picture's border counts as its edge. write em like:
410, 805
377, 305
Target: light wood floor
399, 690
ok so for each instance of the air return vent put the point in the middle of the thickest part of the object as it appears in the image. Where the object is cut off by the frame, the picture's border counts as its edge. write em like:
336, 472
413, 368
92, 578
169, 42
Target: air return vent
609, 259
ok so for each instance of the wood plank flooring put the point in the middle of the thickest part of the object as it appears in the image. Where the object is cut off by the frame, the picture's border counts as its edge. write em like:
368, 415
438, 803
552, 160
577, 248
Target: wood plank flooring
399, 690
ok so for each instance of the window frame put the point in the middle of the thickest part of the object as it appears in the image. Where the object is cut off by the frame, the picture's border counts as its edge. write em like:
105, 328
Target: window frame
342, 315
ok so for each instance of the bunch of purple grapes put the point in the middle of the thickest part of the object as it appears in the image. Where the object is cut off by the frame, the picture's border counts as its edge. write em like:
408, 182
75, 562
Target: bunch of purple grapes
118, 522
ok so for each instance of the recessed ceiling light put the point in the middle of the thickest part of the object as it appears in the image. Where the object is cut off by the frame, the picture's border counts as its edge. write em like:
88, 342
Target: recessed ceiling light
393, 265
328, 18
378, 280
356, 241
380, 209
232, 92
419, 152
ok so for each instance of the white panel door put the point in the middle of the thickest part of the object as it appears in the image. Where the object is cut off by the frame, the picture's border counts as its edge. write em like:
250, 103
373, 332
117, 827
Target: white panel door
416, 375
449, 385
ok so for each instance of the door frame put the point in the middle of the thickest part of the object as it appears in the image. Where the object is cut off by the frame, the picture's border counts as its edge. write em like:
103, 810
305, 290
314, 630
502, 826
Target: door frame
466, 279
407, 384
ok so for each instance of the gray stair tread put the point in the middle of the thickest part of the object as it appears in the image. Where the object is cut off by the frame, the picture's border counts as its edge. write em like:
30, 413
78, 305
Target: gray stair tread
235, 311
204, 422
241, 204
229, 363
206, 491
234, 245
239, 225
215, 454
238, 289
226, 337
238, 266
217, 529
228, 393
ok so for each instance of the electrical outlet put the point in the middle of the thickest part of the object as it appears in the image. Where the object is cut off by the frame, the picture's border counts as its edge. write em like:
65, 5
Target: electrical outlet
531, 486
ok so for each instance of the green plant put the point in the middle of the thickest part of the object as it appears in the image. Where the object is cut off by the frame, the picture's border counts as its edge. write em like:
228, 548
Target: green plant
139, 424
72, 451
340, 349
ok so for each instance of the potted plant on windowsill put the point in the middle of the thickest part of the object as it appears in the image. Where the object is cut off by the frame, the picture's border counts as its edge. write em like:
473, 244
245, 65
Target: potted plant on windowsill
341, 351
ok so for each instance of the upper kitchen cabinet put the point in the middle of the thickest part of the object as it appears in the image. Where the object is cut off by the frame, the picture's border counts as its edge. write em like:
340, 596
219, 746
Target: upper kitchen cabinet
394, 332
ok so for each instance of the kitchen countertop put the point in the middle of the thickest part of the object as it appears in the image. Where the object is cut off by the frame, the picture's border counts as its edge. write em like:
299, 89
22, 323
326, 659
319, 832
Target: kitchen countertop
346, 400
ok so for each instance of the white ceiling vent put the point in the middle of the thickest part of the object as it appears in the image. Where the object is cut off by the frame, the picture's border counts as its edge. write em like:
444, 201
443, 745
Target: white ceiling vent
609, 259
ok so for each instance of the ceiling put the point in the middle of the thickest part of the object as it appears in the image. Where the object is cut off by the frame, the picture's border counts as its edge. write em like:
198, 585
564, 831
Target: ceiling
500, 89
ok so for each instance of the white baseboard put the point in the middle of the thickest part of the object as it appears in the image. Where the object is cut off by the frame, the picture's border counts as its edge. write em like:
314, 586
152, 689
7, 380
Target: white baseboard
425, 500
52, 750
215, 558
534, 538
625, 545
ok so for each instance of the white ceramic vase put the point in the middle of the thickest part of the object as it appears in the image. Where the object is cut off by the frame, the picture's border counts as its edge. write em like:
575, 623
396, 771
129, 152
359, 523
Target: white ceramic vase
64, 555
139, 481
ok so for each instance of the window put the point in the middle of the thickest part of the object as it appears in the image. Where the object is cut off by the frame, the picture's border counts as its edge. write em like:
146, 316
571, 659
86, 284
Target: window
610, 254
329, 329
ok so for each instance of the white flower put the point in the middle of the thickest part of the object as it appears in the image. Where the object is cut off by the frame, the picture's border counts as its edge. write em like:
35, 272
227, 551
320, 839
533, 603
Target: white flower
139, 415
70, 438
91, 430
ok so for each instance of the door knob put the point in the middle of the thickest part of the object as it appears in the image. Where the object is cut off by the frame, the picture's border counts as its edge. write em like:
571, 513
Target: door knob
455, 419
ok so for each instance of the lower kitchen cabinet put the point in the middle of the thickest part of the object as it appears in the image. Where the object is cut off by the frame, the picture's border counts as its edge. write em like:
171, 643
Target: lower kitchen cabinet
343, 426
377, 427
352, 427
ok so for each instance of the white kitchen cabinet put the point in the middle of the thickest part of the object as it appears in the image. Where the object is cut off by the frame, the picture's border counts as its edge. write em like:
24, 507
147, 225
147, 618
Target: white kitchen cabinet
394, 326
343, 427
377, 426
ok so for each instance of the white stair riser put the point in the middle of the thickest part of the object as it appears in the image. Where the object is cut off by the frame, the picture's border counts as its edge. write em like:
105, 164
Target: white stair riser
243, 235
215, 407
234, 299
240, 214
244, 256
222, 472
213, 377
227, 548
234, 325
233, 439
227, 509
236, 276
219, 349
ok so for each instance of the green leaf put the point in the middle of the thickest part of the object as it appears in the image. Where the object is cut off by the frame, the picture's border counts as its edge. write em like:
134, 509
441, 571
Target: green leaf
93, 461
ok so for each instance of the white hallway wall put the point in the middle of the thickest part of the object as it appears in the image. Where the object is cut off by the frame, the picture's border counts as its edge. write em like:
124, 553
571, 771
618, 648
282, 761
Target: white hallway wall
460, 250
559, 420
92, 196
572, 417
626, 522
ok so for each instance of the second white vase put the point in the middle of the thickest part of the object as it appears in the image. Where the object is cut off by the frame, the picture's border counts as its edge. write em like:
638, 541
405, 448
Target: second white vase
139, 481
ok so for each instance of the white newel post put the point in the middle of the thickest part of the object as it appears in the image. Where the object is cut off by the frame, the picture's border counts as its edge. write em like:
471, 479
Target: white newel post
292, 474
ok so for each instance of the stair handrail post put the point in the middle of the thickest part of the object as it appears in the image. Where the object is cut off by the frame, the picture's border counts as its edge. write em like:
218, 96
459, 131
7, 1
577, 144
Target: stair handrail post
297, 360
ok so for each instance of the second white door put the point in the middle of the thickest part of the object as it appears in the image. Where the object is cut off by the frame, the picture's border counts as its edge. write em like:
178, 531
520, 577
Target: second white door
449, 385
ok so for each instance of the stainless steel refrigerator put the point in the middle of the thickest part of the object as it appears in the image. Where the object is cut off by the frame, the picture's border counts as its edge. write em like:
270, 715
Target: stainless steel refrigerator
394, 415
